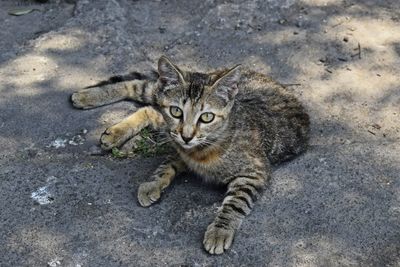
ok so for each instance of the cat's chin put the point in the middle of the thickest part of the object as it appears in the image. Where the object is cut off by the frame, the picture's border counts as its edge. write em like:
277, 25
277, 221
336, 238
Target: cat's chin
187, 147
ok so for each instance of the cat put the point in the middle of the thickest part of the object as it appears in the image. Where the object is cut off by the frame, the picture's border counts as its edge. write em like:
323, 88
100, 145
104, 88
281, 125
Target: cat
229, 126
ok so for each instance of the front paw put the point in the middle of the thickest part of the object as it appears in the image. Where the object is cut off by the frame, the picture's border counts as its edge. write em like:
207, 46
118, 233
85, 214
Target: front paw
115, 136
149, 193
217, 239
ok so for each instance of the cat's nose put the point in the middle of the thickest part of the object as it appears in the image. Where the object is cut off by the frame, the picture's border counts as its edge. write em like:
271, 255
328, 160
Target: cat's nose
187, 139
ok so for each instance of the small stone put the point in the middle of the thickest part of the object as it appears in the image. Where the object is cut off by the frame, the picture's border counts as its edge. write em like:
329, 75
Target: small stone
162, 29
345, 39
376, 126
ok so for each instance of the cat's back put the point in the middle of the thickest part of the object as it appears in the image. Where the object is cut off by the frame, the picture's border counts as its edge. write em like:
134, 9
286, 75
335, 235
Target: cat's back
278, 116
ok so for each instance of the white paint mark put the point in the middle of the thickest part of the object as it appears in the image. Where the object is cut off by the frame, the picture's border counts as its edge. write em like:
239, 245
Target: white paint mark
54, 262
72, 143
43, 196
75, 140
59, 142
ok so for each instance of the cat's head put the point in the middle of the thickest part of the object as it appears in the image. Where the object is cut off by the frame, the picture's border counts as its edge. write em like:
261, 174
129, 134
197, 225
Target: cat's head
196, 106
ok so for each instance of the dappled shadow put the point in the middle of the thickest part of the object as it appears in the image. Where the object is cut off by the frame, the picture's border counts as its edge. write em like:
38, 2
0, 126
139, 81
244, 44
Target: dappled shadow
335, 205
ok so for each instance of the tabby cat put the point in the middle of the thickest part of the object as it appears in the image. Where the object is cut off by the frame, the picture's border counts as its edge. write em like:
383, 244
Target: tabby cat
229, 126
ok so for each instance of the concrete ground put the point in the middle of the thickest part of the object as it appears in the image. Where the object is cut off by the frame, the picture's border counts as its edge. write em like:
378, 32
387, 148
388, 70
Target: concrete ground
336, 205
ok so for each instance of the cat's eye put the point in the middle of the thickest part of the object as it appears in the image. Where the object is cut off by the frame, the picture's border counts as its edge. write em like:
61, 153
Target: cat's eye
207, 117
176, 112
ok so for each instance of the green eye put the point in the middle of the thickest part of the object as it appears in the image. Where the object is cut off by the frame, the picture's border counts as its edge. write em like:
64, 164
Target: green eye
175, 112
207, 117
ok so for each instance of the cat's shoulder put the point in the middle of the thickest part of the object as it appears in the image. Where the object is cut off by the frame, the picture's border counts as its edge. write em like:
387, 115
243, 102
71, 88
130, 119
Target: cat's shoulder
255, 83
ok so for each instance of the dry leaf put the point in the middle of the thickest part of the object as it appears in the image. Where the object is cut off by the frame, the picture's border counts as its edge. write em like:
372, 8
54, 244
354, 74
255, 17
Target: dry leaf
21, 11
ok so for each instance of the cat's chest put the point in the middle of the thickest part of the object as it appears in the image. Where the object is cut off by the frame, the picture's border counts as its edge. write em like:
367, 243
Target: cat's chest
207, 165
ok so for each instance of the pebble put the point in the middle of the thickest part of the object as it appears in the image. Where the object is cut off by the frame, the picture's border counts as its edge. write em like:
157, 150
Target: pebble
282, 21
162, 29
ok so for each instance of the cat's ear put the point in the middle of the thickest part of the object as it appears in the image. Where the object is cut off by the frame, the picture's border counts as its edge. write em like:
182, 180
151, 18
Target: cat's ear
169, 73
226, 84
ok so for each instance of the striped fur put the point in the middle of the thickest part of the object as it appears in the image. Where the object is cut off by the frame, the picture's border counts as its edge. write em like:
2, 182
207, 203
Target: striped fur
96, 96
256, 123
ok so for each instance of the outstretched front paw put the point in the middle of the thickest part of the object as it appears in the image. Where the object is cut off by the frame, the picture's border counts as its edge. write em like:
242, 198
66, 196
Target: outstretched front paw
115, 136
217, 239
149, 193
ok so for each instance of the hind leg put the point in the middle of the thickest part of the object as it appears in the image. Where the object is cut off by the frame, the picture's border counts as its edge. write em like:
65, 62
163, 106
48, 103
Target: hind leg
98, 96
138, 90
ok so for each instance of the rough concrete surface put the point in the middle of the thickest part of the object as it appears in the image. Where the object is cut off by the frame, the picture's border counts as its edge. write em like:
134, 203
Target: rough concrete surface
336, 205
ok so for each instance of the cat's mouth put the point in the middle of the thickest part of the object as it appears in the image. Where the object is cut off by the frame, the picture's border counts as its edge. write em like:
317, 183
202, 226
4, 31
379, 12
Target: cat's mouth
186, 146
